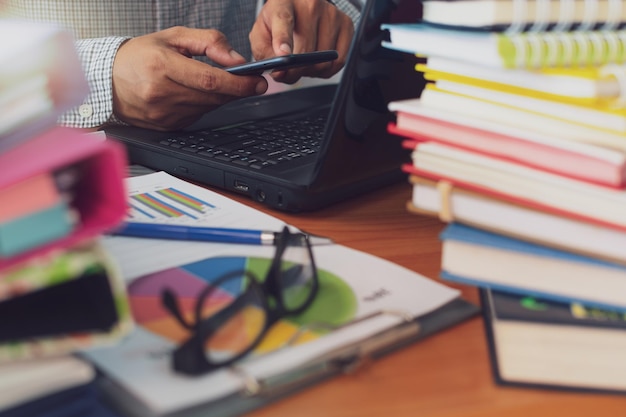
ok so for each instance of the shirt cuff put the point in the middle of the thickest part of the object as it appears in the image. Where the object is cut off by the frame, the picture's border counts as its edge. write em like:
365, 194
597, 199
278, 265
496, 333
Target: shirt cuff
350, 9
97, 57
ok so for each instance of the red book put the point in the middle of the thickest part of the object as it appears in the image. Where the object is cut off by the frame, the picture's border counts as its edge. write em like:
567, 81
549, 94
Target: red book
555, 155
519, 184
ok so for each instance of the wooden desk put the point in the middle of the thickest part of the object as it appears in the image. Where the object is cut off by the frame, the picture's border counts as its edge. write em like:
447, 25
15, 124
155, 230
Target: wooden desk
445, 375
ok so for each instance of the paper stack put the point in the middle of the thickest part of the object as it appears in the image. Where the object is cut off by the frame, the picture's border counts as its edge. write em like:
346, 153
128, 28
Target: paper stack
519, 143
60, 188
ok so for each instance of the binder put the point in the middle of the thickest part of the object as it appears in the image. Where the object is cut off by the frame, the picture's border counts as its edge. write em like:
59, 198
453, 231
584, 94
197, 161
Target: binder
92, 171
62, 301
35, 89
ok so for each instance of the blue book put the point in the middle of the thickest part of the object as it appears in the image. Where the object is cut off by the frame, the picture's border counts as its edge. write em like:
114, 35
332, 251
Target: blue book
489, 260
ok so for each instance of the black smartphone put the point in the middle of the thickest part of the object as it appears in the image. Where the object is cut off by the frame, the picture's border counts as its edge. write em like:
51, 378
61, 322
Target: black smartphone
283, 62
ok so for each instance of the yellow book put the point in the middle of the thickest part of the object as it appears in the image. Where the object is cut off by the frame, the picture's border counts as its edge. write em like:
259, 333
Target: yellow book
585, 85
436, 98
598, 115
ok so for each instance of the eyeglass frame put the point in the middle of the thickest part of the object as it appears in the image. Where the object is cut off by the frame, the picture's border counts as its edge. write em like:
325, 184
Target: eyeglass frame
190, 357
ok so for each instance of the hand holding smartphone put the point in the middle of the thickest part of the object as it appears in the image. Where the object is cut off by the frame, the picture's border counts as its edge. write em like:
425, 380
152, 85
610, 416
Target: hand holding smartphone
283, 62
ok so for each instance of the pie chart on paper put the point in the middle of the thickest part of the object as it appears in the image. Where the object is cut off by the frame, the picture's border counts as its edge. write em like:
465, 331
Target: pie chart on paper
334, 304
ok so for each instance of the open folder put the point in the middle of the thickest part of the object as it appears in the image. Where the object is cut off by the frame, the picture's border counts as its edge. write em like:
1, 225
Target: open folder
364, 308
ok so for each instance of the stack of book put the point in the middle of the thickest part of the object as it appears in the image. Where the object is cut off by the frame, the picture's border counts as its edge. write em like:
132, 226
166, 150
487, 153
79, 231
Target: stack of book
60, 188
519, 142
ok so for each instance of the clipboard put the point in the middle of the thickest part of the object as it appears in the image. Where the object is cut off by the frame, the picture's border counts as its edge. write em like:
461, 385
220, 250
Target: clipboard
345, 360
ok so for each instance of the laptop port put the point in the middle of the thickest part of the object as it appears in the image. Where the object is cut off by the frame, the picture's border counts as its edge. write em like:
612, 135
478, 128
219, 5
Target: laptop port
241, 186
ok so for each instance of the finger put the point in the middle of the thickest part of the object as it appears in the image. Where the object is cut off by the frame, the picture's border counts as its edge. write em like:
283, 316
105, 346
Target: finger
344, 41
205, 78
281, 24
204, 42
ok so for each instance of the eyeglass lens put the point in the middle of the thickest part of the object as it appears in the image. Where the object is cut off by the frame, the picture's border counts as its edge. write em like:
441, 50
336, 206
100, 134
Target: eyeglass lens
233, 313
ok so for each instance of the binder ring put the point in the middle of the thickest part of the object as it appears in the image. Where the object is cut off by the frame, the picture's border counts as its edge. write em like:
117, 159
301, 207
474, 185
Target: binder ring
612, 18
252, 386
558, 43
598, 48
520, 16
590, 18
621, 35
613, 47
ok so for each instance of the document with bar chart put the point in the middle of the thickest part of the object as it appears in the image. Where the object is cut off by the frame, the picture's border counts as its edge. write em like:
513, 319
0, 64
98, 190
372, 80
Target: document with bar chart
162, 198
165, 199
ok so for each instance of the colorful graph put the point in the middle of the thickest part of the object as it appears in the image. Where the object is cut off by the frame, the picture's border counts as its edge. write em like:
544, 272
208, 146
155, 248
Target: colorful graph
167, 203
335, 303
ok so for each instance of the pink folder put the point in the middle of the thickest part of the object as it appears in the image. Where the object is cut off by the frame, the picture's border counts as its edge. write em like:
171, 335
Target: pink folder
99, 196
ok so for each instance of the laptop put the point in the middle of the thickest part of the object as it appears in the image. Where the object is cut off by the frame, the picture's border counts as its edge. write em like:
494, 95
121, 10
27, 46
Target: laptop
301, 149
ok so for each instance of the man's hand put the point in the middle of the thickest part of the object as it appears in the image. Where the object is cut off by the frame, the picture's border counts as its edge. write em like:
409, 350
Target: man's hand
157, 85
296, 26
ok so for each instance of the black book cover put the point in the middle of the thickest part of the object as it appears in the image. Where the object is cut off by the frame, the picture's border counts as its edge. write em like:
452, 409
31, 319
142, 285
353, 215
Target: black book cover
504, 306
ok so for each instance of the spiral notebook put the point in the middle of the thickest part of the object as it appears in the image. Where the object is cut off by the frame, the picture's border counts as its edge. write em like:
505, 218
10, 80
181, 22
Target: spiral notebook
517, 33
509, 49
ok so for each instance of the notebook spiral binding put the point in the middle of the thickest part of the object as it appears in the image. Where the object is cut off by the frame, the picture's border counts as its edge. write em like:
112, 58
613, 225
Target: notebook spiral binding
594, 41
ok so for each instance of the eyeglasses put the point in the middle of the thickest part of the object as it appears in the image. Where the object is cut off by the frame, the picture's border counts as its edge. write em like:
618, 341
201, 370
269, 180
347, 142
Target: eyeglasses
234, 313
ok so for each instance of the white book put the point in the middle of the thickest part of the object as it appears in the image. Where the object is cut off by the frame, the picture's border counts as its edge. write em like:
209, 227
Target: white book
418, 108
504, 13
484, 110
23, 381
578, 83
604, 118
41, 77
499, 216
476, 257
516, 182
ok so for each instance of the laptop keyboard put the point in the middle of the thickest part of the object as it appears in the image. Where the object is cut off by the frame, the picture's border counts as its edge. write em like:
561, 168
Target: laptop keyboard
259, 144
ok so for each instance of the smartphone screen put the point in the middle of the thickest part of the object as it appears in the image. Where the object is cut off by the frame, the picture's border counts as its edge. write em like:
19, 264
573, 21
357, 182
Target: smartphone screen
283, 62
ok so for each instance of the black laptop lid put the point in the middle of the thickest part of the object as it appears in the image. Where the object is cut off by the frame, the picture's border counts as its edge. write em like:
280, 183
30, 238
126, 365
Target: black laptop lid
358, 146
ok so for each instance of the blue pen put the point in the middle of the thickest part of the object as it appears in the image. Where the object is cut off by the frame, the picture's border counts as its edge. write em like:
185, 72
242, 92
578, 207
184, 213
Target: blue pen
205, 234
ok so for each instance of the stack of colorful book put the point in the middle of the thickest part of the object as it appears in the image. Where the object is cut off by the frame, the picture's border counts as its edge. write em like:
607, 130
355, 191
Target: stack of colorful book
60, 188
519, 142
